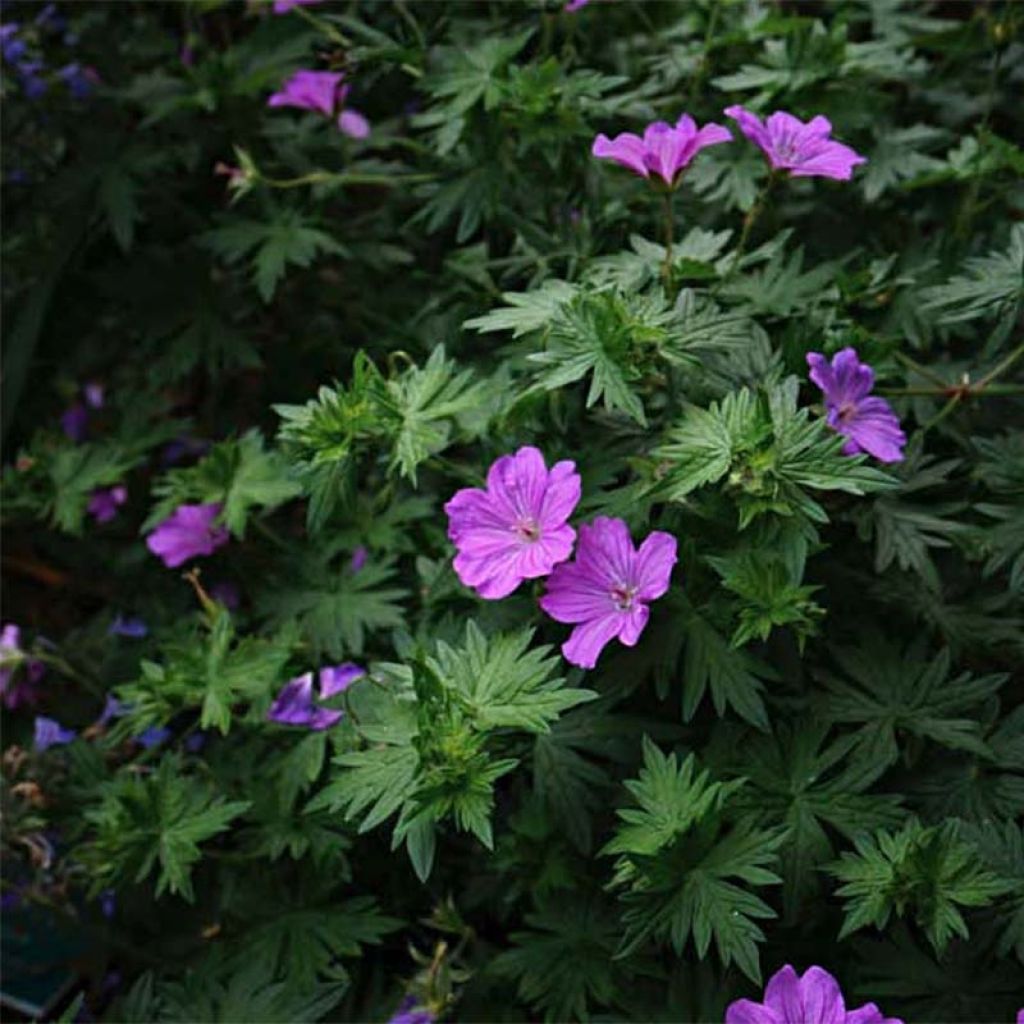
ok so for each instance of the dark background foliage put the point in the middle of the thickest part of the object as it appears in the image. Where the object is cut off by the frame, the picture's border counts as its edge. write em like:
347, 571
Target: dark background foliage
848, 643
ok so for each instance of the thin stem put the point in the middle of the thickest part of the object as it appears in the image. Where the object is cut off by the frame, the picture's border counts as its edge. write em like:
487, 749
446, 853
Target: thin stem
670, 230
1001, 368
923, 370
949, 389
329, 30
698, 76
386, 180
753, 214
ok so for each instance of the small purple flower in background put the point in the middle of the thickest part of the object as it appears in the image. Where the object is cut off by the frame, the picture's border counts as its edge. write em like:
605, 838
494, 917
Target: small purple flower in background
94, 395
12, 47
410, 1012
183, 448
295, 703
227, 594
50, 733
79, 81
75, 422
869, 423
517, 528
195, 741
814, 998
805, 150
358, 559
153, 737
664, 150
605, 590
17, 691
187, 533
128, 625
575, 5
49, 20
105, 501
112, 708
284, 6
187, 56
323, 92
32, 84
108, 903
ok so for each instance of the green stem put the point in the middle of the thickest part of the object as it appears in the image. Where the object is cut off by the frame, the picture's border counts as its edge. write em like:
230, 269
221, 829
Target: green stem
318, 23
698, 76
670, 230
386, 180
753, 214
923, 370
1001, 368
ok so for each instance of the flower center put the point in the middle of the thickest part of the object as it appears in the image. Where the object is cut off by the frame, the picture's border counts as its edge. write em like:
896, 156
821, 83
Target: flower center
527, 530
847, 410
623, 595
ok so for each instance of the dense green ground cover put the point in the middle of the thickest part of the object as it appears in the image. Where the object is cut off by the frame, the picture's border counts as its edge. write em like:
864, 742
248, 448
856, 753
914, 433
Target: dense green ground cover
310, 322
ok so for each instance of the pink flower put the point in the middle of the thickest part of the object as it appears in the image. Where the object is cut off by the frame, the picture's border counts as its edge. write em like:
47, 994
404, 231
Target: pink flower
869, 423
606, 590
284, 6
323, 92
105, 501
575, 5
187, 533
664, 150
812, 999
805, 150
516, 529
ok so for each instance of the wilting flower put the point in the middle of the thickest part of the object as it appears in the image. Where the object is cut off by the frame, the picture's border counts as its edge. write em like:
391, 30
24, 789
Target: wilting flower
869, 423
323, 92
105, 501
16, 691
295, 703
664, 150
128, 625
50, 733
284, 6
813, 998
516, 529
410, 1012
605, 591
187, 533
805, 150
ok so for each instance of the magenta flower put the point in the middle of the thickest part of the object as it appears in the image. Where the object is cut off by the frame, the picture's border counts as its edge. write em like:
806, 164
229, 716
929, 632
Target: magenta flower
869, 424
187, 533
15, 688
664, 150
516, 529
295, 703
284, 6
605, 591
50, 733
105, 501
360, 556
575, 5
409, 1011
805, 150
812, 999
323, 92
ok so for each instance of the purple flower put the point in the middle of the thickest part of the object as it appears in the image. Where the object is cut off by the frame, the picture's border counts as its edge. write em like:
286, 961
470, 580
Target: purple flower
23, 690
31, 83
663, 150
812, 999
152, 737
284, 6
93, 394
13, 48
50, 733
112, 708
78, 80
128, 625
575, 5
605, 590
108, 903
358, 559
323, 92
295, 703
410, 1012
805, 150
105, 501
75, 422
516, 529
187, 533
310, 90
869, 423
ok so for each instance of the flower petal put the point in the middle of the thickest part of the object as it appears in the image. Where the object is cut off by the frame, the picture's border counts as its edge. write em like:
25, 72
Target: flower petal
588, 639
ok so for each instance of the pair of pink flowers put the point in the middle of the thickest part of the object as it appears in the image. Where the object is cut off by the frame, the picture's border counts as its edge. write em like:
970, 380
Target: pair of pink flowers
517, 529
788, 144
